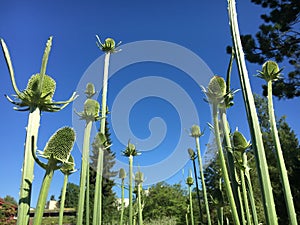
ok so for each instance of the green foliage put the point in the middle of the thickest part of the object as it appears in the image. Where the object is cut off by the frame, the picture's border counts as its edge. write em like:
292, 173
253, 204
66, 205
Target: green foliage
10, 199
8, 211
72, 195
165, 201
291, 153
277, 39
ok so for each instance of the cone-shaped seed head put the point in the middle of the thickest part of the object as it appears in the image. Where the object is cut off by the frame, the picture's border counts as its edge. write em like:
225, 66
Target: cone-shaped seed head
270, 71
239, 142
122, 173
191, 153
92, 107
195, 131
48, 87
139, 177
99, 141
60, 144
216, 88
69, 166
90, 90
190, 181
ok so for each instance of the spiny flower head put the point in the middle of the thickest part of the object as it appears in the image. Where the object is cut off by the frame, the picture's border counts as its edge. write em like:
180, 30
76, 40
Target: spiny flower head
216, 90
109, 45
270, 71
60, 145
240, 143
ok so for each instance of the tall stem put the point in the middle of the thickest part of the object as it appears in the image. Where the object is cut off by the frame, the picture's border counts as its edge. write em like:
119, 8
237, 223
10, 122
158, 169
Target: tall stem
197, 190
245, 196
257, 143
140, 204
130, 189
97, 216
223, 166
39, 211
62, 200
85, 158
280, 160
202, 180
232, 169
191, 205
28, 167
122, 202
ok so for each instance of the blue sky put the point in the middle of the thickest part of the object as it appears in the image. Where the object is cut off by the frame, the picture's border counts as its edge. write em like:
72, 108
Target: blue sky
200, 28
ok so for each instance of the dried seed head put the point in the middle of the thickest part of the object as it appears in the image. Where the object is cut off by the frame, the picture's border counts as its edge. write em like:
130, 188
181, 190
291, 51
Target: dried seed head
60, 144
122, 173
90, 90
48, 86
239, 142
270, 71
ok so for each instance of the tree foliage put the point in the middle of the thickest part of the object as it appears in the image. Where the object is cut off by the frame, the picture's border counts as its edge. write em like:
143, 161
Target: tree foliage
72, 195
278, 39
165, 201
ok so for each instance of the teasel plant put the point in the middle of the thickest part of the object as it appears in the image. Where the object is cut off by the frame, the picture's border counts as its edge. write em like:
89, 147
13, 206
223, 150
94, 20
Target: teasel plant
130, 152
67, 169
270, 73
139, 179
196, 133
108, 47
190, 182
57, 151
122, 176
193, 157
36, 97
216, 93
90, 114
255, 131
240, 145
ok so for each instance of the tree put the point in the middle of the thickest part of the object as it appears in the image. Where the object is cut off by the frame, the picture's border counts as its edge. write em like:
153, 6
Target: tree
165, 201
109, 207
291, 153
278, 39
72, 195
10, 199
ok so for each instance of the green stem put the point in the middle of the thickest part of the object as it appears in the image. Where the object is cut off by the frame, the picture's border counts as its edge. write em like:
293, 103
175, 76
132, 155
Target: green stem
62, 200
203, 180
130, 189
197, 190
244, 190
122, 202
251, 195
220, 209
223, 165
97, 216
191, 205
87, 202
140, 204
257, 143
280, 160
39, 211
84, 163
232, 169
28, 167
